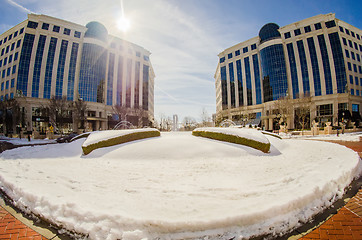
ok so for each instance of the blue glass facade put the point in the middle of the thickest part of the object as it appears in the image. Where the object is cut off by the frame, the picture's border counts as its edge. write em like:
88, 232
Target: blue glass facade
293, 70
60, 70
110, 78
315, 67
37, 66
128, 83
137, 84
49, 67
146, 74
249, 91
338, 59
119, 80
326, 65
304, 67
240, 82
224, 89
72, 68
232, 84
274, 73
23, 72
257, 78
92, 73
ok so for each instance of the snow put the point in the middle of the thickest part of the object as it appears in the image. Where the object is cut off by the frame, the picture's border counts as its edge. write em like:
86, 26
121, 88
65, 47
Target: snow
247, 133
25, 141
353, 137
178, 186
97, 136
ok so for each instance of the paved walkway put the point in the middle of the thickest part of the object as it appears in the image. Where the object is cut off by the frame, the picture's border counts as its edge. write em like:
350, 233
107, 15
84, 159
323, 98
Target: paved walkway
346, 224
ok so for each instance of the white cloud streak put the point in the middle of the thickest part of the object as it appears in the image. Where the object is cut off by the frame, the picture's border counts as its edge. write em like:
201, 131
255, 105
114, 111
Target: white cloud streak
22, 8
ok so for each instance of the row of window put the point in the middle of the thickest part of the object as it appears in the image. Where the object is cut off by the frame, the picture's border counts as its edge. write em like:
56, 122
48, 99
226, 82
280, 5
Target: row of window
7, 72
353, 55
354, 67
138, 54
13, 35
5, 85
357, 92
7, 96
237, 52
352, 44
308, 29
45, 26
348, 32
5, 61
10, 48
355, 80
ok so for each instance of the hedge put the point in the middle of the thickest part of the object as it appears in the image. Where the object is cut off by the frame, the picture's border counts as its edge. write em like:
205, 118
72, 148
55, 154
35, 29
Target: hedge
264, 147
119, 140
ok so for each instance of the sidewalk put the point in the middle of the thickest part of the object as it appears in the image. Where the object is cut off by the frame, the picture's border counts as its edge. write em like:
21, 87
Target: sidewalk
346, 224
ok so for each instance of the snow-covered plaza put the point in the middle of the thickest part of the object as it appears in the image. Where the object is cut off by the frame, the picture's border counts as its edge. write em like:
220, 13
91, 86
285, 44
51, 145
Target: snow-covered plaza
178, 186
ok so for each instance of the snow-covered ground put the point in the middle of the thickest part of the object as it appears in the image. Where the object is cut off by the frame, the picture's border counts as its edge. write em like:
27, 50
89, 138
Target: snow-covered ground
25, 141
354, 137
178, 186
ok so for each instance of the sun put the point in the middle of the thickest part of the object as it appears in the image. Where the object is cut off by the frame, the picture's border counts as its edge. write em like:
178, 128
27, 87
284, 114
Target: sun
123, 24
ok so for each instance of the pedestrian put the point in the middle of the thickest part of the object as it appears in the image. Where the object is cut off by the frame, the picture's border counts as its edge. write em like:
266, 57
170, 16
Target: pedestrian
29, 137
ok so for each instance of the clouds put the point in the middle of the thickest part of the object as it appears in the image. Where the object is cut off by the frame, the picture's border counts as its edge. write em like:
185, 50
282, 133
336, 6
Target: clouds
22, 8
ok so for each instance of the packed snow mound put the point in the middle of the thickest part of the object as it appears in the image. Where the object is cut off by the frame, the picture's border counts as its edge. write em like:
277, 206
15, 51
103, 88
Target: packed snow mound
244, 136
101, 139
178, 186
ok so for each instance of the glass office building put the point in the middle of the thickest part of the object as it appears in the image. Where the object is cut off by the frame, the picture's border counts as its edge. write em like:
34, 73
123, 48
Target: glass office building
45, 57
319, 57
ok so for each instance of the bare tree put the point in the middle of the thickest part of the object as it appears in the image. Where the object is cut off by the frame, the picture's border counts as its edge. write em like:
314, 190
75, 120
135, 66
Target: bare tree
140, 113
189, 123
10, 115
121, 111
205, 118
79, 108
59, 109
283, 108
302, 111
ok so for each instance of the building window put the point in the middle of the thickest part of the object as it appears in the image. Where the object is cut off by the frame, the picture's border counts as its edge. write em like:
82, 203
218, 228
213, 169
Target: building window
355, 68
12, 46
349, 66
7, 85
287, 35
357, 92
12, 83
325, 110
330, 24
1, 42
237, 52
240, 82
7, 49
339, 65
8, 72
10, 58
66, 31
21, 31
113, 45
71, 74
18, 43
249, 96
146, 58
37, 66
353, 57
2, 86
230, 55
60, 71
352, 91
138, 54
350, 79
315, 67
10, 36
352, 33
2, 51
1, 63
32, 24
293, 70
222, 59
318, 26
49, 67
5, 61
344, 41
257, 78
356, 46
232, 84
245, 49
297, 32
350, 43
253, 47
5, 39
347, 31
347, 53
341, 29
15, 34
16, 56
77, 34
45, 26
224, 90
110, 79
56, 28
356, 80
307, 29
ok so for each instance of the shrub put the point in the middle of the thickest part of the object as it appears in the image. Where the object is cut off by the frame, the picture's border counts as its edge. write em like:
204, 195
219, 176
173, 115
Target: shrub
264, 147
119, 140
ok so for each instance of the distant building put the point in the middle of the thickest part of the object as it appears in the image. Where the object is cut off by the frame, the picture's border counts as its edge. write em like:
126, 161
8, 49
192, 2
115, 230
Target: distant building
175, 123
45, 57
318, 57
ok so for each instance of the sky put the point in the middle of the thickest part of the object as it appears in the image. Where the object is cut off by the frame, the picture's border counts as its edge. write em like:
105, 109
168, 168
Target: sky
183, 36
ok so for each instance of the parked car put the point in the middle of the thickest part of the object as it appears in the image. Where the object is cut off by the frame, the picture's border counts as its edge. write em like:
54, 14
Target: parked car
66, 138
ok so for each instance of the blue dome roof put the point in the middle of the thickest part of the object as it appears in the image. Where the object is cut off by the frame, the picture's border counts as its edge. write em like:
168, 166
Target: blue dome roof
269, 31
96, 30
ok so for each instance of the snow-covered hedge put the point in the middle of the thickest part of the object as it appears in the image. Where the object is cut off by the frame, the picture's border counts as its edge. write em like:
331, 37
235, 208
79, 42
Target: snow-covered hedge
271, 134
248, 137
109, 138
